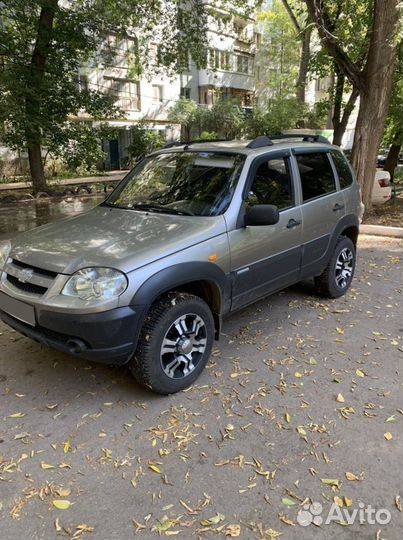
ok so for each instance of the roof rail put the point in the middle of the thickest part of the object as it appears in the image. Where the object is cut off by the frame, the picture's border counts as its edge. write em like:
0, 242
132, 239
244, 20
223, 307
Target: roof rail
306, 137
188, 143
259, 142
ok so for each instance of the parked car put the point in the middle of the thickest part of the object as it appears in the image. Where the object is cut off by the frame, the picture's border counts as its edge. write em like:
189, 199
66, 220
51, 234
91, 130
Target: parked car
191, 234
382, 189
381, 158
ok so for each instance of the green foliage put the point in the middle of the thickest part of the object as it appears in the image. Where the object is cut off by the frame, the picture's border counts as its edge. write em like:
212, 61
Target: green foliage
78, 144
394, 121
225, 118
207, 136
277, 116
278, 58
144, 141
185, 112
37, 99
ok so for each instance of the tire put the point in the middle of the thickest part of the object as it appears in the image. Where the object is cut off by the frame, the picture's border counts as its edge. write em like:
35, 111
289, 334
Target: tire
339, 272
183, 325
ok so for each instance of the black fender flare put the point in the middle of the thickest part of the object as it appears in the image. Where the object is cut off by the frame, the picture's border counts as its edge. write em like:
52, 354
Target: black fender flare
181, 274
347, 221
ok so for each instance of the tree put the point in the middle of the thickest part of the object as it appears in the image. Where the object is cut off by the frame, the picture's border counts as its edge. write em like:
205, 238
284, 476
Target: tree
44, 42
144, 141
341, 110
278, 57
185, 113
78, 144
225, 117
372, 79
394, 122
303, 28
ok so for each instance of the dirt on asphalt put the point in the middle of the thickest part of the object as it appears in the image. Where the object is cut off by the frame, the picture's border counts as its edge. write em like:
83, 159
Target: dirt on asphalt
301, 403
389, 214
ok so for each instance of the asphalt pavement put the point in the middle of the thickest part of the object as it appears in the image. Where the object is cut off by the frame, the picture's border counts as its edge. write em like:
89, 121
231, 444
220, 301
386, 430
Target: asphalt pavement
301, 406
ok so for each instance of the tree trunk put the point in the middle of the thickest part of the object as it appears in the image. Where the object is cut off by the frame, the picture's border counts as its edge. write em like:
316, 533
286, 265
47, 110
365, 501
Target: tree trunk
340, 124
374, 82
33, 100
368, 133
303, 65
375, 94
392, 159
36, 165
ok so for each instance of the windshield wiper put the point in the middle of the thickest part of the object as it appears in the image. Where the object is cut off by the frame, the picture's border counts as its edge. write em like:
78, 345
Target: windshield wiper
148, 207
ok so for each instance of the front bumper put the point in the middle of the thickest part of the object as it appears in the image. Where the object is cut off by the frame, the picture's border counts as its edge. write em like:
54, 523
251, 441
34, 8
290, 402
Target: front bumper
107, 337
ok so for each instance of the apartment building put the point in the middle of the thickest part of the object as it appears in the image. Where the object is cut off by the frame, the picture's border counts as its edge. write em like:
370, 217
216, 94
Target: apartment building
229, 73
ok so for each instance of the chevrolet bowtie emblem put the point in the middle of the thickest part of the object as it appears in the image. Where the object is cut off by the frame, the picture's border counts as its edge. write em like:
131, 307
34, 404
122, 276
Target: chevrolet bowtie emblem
25, 275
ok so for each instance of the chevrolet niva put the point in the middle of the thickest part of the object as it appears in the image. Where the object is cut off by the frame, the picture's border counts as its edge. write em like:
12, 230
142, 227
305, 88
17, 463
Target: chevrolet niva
194, 232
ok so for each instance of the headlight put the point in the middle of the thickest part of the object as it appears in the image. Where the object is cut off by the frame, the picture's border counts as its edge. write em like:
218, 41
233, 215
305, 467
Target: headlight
96, 284
5, 248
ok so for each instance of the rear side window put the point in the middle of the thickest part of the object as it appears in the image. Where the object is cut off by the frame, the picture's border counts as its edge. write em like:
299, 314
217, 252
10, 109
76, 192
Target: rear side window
316, 174
343, 170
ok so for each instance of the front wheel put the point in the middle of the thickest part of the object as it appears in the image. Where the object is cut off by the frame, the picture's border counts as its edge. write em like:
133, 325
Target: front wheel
174, 344
338, 274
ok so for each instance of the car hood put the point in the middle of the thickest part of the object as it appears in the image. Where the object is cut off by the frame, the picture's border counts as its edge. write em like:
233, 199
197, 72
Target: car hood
112, 237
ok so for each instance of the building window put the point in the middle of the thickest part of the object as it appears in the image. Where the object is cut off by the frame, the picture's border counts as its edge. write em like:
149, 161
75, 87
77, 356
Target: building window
82, 82
185, 93
126, 92
158, 93
244, 64
219, 60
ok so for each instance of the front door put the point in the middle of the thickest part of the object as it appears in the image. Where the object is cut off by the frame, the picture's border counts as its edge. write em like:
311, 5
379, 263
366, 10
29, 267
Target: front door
267, 258
114, 154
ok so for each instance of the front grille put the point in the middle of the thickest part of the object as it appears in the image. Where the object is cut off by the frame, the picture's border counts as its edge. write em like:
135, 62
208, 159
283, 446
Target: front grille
40, 271
26, 287
28, 278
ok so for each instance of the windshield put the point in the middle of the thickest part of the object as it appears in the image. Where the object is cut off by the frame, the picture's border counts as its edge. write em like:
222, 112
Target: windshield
189, 183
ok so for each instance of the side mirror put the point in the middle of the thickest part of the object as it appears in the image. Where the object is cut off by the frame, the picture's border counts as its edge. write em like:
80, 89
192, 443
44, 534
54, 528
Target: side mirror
262, 214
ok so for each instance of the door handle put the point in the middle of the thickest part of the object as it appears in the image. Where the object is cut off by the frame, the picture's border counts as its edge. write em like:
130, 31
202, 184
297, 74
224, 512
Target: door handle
293, 223
337, 207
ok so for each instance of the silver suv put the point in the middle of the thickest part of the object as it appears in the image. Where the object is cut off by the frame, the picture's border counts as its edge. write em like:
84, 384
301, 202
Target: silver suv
194, 232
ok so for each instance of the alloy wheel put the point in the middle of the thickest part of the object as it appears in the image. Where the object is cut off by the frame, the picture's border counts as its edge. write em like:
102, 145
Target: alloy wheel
183, 346
344, 268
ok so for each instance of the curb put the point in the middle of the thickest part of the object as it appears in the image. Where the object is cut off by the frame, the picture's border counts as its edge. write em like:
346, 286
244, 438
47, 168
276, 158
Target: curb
381, 230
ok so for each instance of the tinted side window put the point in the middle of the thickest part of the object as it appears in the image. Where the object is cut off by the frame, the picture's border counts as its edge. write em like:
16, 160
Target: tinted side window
316, 175
343, 169
272, 184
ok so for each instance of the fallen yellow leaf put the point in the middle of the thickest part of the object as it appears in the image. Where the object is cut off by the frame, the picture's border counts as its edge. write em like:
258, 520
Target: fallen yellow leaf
62, 504
388, 435
46, 466
340, 398
233, 531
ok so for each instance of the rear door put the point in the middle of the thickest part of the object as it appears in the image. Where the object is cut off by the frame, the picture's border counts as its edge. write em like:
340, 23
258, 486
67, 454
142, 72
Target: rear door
322, 206
267, 258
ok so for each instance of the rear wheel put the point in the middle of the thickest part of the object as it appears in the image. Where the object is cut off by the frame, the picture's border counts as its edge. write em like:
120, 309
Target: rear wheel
338, 275
174, 344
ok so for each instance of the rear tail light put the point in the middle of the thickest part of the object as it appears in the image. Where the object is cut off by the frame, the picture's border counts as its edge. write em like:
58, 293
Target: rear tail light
384, 182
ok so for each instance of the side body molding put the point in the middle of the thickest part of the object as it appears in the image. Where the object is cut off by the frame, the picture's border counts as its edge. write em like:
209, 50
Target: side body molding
317, 267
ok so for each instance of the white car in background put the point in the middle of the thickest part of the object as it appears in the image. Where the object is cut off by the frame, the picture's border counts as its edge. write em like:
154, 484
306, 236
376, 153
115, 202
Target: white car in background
382, 190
